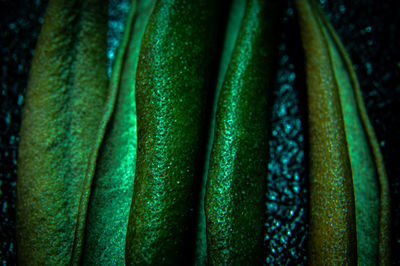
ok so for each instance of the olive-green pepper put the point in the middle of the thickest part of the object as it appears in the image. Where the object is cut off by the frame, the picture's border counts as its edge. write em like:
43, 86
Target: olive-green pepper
62, 117
349, 216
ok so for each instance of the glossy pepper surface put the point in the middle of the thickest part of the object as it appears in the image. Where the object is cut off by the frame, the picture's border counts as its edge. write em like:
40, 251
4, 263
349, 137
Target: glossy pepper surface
235, 195
111, 191
173, 84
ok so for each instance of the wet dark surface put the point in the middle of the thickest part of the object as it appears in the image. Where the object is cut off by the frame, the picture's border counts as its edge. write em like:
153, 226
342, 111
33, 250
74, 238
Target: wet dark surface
287, 195
367, 29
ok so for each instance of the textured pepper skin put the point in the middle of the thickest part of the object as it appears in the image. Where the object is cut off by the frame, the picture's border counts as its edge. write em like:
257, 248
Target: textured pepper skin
349, 188
111, 192
370, 181
236, 185
172, 89
332, 215
63, 106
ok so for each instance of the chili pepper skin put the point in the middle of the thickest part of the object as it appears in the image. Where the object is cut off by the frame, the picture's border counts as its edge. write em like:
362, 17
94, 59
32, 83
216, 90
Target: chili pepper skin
234, 19
350, 217
64, 103
332, 214
112, 187
172, 88
236, 185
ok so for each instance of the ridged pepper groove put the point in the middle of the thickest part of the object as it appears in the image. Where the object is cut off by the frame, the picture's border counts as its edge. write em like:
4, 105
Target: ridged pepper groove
112, 187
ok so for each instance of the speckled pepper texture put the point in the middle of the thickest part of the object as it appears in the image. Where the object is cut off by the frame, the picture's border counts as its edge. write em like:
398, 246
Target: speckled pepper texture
64, 104
332, 214
236, 185
173, 83
350, 217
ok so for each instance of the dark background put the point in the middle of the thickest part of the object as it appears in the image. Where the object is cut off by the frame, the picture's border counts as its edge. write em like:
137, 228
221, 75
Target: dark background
367, 29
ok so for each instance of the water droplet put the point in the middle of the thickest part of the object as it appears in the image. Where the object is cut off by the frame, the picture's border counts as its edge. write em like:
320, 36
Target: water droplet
368, 65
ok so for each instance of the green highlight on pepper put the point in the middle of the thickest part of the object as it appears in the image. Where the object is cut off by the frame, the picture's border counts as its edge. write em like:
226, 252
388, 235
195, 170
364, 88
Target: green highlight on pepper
173, 87
122, 171
235, 195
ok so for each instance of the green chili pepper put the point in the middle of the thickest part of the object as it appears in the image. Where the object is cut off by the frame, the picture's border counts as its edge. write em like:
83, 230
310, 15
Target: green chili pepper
236, 185
63, 114
112, 187
77, 155
349, 220
173, 84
